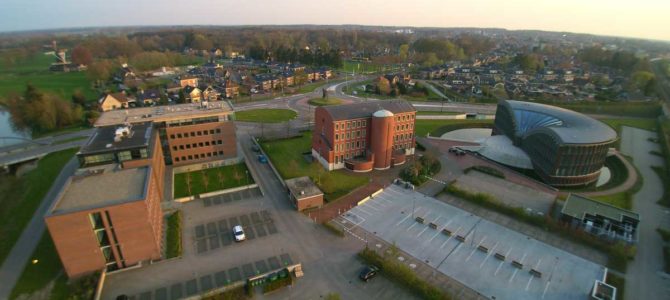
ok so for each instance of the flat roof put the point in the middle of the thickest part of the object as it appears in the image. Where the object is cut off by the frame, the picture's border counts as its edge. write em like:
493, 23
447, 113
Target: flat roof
163, 113
483, 258
103, 139
577, 206
366, 109
101, 186
302, 187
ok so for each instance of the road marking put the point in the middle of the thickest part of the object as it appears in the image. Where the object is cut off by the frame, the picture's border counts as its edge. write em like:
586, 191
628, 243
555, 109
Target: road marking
417, 222
515, 271
369, 203
529, 281
452, 235
475, 249
403, 220
514, 274
422, 231
440, 230
363, 210
546, 287
501, 263
488, 255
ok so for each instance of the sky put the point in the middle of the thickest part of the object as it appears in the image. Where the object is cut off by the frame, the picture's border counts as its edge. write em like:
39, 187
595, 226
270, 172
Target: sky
640, 18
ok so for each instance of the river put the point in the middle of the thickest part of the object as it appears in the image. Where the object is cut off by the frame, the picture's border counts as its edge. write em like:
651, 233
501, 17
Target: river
9, 136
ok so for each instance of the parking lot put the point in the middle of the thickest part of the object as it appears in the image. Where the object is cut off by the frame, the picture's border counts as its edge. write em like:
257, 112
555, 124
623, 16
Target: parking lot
493, 260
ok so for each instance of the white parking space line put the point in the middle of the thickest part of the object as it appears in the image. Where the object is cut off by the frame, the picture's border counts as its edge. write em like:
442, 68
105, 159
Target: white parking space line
367, 205
546, 287
513, 274
502, 262
440, 230
475, 249
515, 271
452, 235
403, 220
488, 255
363, 210
382, 199
422, 231
376, 206
352, 222
531, 277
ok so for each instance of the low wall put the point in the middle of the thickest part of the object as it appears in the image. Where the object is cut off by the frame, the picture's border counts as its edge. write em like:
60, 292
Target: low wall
369, 197
207, 165
219, 192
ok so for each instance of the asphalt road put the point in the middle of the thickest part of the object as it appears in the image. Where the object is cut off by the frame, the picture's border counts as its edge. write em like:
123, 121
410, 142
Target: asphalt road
20, 254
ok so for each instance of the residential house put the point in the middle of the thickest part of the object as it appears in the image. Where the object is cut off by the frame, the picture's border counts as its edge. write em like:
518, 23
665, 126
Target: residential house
209, 93
188, 81
149, 97
115, 101
193, 94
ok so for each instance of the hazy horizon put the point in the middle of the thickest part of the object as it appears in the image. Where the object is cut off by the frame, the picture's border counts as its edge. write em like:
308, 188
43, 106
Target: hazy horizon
641, 19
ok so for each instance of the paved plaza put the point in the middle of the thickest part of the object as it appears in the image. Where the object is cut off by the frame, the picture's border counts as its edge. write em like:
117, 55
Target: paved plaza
495, 261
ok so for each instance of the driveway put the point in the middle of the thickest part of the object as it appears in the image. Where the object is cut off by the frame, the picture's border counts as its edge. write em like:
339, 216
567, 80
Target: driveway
643, 279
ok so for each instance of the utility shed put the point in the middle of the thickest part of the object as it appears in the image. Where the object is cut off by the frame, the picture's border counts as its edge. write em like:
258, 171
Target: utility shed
601, 219
304, 193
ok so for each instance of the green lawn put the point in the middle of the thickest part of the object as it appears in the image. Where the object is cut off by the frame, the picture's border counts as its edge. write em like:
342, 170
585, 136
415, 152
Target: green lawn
35, 70
622, 200
20, 197
439, 127
325, 102
173, 243
286, 155
266, 115
310, 87
36, 276
219, 178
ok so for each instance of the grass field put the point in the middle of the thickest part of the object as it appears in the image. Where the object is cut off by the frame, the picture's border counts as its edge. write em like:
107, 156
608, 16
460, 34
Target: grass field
35, 70
20, 197
366, 68
324, 102
38, 275
219, 178
310, 87
646, 124
438, 113
439, 127
266, 115
286, 156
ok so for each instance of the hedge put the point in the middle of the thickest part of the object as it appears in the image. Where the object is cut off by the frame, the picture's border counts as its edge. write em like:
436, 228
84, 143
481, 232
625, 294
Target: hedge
334, 229
403, 275
173, 239
279, 282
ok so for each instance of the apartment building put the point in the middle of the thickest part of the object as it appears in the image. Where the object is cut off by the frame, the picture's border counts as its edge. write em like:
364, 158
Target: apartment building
364, 136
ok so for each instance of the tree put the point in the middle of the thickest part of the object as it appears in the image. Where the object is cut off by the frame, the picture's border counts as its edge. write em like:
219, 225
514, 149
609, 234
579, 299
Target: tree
205, 180
403, 52
79, 98
100, 70
182, 97
383, 86
201, 42
188, 183
236, 175
81, 56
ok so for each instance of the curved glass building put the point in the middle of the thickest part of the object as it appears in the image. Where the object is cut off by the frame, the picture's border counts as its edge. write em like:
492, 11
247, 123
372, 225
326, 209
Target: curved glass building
565, 148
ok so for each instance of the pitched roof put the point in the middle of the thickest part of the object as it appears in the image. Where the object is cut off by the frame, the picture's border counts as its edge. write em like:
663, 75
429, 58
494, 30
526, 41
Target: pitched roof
121, 97
366, 109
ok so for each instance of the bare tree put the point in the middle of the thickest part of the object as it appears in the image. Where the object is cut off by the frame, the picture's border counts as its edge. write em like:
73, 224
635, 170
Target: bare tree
205, 180
188, 183
237, 175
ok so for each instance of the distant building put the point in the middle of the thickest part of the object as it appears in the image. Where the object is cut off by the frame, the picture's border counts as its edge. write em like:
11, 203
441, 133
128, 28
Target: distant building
188, 81
304, 193
600, 219
191, 133
108, 215
364, 136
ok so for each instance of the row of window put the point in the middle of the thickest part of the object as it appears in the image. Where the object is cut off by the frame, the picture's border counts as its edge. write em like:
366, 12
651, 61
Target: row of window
195, 133
402, 137
404, 127
350, 124
341, 158
352, 134
198, 156
349, 146
197, 145
404, 118
104, 242
402, 146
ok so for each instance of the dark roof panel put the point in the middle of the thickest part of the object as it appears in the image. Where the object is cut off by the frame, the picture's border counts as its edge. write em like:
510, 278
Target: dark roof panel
366, 109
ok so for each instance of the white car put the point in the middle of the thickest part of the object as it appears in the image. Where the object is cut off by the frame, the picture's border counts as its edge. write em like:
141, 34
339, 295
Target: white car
238, 232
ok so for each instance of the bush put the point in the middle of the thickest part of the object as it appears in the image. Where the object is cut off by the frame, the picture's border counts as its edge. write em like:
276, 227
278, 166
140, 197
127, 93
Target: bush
665, 234
418, 172
402, 274
618, 282
278, 283
486, 170
173, 239
334, 229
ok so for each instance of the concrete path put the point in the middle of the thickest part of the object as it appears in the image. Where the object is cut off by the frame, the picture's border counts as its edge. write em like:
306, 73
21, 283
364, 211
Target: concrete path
644, 278
15, 262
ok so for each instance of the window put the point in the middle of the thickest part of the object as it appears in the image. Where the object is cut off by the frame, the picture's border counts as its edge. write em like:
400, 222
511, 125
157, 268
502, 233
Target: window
337, 127
192, 133
188, 146
358, 133
364, 123
107, 253
219, 142
358, 124
358, 145
199, 133
181, 147
200, 144
179, 135
96, 220
176, 159
348, 135
363, 133
211, 131
209, 154
124, 155
336, 136
218, 130
363, 143
197, 156
190, 157
172, 136
174, 148
220, 152
207, 143
103, 239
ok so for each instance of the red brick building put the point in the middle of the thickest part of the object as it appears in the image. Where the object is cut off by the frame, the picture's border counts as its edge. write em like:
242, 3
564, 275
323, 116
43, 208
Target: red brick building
108, 215
304, 193
364, 136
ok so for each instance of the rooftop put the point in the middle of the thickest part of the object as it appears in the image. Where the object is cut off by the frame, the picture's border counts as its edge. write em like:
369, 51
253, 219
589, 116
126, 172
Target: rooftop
577, 207
101, 186
570, 126
302, 187
163, 113
105, 138
366, 109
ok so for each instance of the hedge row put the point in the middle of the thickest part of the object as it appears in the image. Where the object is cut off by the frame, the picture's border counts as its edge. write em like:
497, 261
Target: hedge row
403, 275
334, 229
173, 239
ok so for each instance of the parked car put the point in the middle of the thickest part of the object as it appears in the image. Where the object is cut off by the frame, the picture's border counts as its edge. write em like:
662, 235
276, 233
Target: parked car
255, 148
368, 272
238, 233
262, 159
